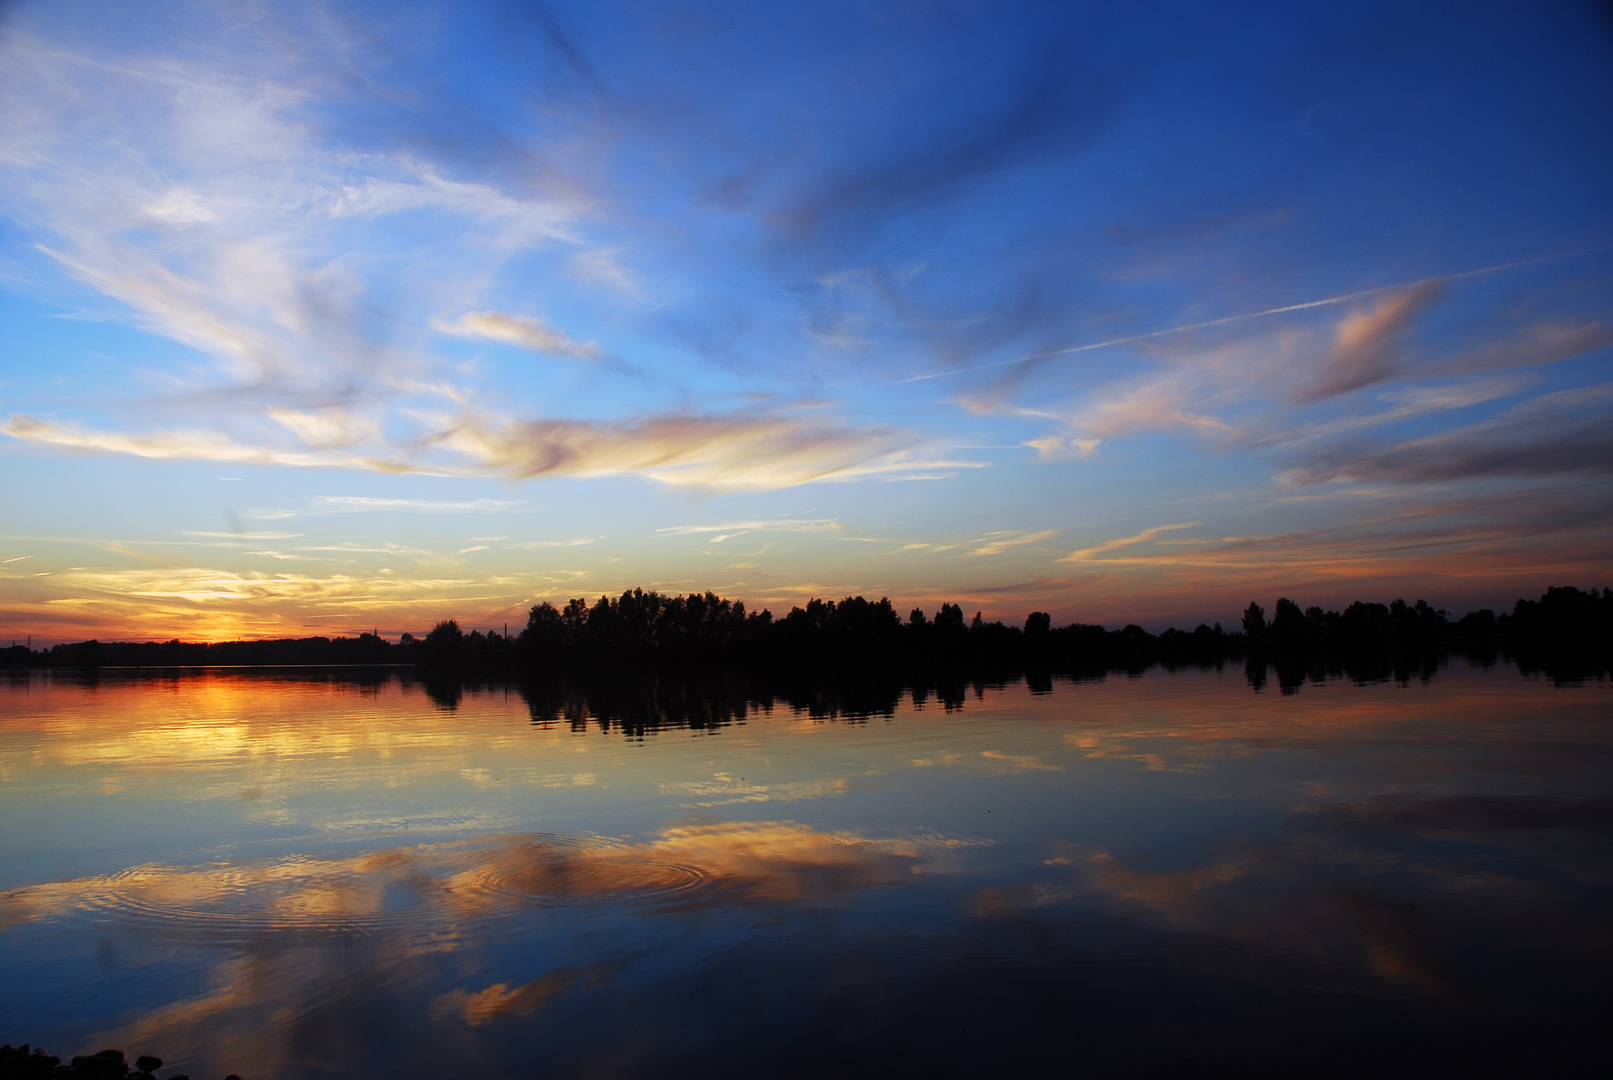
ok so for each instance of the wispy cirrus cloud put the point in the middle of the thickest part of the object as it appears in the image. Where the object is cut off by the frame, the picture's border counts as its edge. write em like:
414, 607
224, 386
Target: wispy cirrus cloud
729, 529
522, 331
230, 227
1406, 403
1367, 344
190, 445
329, 427
718, 452
300, 204
234, 229
1154, 406
1560, 434
998, 542
350, 504
537, 545
243, 537
1543, 341
728, 452
1289, 394
1094, 553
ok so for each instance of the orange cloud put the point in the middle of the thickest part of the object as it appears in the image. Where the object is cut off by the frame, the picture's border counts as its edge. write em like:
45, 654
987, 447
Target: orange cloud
1366, 347
731, 452
720, 452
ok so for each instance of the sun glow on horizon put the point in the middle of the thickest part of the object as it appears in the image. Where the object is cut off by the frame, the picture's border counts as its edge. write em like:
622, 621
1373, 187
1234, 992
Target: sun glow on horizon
980, 312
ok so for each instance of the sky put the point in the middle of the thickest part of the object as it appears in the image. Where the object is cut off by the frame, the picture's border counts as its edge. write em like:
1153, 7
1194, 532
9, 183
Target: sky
325, 317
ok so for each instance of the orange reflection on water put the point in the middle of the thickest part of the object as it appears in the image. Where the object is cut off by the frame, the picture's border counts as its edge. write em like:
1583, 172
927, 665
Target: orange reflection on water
145, 724
324, 853
1188, 720
389, 910
502, 1002
436, 886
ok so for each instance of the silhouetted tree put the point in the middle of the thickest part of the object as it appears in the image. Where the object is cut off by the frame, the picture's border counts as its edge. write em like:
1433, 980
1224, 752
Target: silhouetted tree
1568, 632
1288, 623
444, 645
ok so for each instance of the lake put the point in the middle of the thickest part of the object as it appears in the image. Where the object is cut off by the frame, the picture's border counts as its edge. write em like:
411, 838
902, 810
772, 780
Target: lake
352, 873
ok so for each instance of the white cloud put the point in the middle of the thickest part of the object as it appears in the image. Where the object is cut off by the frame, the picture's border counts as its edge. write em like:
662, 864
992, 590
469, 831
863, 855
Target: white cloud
520, 222
727, 452
522, 331
244, 535
351, 504
997, 543
721, 452
180, 206
817, 525
600, 267
265, 256
199, 188
184, 445
1058, 446
1091, 554
534, 545
328, 427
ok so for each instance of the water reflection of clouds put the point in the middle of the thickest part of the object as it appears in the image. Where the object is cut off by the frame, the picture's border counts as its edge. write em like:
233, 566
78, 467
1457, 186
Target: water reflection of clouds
501, 1001
433, 886
1471, 813
294, 946
1125, 746
789, 863
725, 790
1248, 918
1184, 729
1382, 895
1383, 850
1003, 762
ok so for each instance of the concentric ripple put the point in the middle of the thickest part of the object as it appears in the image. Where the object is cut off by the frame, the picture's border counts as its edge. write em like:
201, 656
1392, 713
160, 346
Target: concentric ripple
411, 889
565, 871
334, 896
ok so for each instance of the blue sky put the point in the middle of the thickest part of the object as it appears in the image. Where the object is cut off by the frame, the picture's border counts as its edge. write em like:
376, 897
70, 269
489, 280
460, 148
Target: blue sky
331, 316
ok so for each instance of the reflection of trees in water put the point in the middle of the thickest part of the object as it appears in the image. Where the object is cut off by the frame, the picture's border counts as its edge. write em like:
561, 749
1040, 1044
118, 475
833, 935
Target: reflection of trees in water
636, 706
1292, 670
641, 703
1565, 663
445, 689
638, 700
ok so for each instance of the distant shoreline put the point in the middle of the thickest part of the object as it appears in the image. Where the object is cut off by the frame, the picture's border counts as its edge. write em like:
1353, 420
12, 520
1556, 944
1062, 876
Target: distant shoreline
652, 629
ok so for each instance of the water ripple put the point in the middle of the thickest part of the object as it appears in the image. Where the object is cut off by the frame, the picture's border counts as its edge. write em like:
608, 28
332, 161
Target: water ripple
565, 871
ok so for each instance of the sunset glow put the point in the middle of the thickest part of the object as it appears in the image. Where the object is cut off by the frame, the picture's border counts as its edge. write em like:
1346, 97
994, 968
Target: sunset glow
323, 318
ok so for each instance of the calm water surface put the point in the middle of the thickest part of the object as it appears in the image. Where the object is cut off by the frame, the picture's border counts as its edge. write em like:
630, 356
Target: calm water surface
1172, 874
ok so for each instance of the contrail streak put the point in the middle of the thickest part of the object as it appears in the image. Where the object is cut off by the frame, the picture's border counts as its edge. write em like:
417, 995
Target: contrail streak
1342, 298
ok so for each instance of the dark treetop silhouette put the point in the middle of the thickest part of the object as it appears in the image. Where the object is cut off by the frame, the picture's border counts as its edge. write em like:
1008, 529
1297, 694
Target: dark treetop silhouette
1566, 628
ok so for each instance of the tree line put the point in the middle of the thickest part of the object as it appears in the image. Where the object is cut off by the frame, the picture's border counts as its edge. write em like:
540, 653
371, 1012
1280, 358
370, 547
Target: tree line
1563, 618
652, 627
